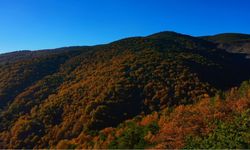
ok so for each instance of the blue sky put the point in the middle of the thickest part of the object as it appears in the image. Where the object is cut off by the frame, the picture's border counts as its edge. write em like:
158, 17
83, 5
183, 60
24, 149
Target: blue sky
39, 24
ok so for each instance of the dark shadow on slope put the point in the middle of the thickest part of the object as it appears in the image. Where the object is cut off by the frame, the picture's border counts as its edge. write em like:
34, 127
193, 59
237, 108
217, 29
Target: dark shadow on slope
233, 69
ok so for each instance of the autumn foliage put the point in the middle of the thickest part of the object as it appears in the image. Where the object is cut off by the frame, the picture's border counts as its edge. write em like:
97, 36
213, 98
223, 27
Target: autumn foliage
166, 90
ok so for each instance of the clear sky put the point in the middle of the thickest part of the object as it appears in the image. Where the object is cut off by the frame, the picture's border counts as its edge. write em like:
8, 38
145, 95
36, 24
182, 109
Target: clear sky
39, 24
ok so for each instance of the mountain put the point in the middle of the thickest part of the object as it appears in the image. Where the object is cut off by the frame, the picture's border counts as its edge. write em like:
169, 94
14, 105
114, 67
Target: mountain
125, 94
232, 42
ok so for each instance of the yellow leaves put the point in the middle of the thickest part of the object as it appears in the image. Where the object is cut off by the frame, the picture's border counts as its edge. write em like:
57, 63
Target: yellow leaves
206, 95
149, 137
19, 125
63, 144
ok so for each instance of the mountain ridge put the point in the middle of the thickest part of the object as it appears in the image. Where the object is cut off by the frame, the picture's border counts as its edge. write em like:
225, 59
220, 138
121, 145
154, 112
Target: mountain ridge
205, 37
232, 42
47, 97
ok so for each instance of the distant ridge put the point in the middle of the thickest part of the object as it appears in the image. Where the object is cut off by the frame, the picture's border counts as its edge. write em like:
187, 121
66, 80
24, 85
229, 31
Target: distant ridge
227, 37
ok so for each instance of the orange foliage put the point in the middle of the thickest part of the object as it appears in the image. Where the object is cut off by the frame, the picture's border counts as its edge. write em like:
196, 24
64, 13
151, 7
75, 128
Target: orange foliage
194, 120
149, 119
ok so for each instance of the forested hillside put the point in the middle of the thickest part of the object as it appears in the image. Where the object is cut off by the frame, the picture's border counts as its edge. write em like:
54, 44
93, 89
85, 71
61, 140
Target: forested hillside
166, 90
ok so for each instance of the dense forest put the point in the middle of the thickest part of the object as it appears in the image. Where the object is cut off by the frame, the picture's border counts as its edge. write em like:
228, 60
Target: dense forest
166, 90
